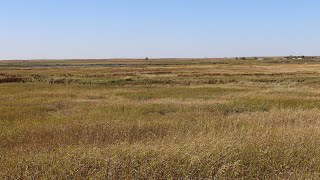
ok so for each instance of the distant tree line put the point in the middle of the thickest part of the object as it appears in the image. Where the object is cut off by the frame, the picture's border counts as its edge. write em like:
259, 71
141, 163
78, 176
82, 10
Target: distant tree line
300, 57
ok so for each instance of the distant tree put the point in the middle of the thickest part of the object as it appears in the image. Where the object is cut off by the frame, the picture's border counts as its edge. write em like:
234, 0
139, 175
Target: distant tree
148, 60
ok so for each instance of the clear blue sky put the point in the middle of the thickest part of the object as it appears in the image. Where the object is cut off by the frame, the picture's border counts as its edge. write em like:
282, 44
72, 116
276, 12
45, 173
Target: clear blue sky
33, 29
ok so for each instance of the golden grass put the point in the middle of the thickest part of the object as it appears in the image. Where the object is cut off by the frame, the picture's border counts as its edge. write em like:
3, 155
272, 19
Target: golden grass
209, 120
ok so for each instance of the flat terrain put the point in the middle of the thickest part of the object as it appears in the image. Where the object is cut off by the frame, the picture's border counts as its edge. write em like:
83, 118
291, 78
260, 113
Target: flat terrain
160, 119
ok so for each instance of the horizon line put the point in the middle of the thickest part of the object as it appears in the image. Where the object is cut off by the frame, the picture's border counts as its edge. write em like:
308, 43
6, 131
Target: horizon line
154, 58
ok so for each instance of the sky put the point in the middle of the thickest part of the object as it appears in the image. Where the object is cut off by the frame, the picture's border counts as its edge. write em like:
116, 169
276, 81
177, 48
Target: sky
63, 29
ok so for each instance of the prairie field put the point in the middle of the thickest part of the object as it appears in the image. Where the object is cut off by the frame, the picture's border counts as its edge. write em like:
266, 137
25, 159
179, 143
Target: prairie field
160, 119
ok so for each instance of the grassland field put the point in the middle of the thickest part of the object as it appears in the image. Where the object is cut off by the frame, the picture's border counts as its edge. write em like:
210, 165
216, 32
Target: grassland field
160, 119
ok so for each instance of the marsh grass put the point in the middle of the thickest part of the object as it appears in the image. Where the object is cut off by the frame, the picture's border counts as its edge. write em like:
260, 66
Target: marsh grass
161, 122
